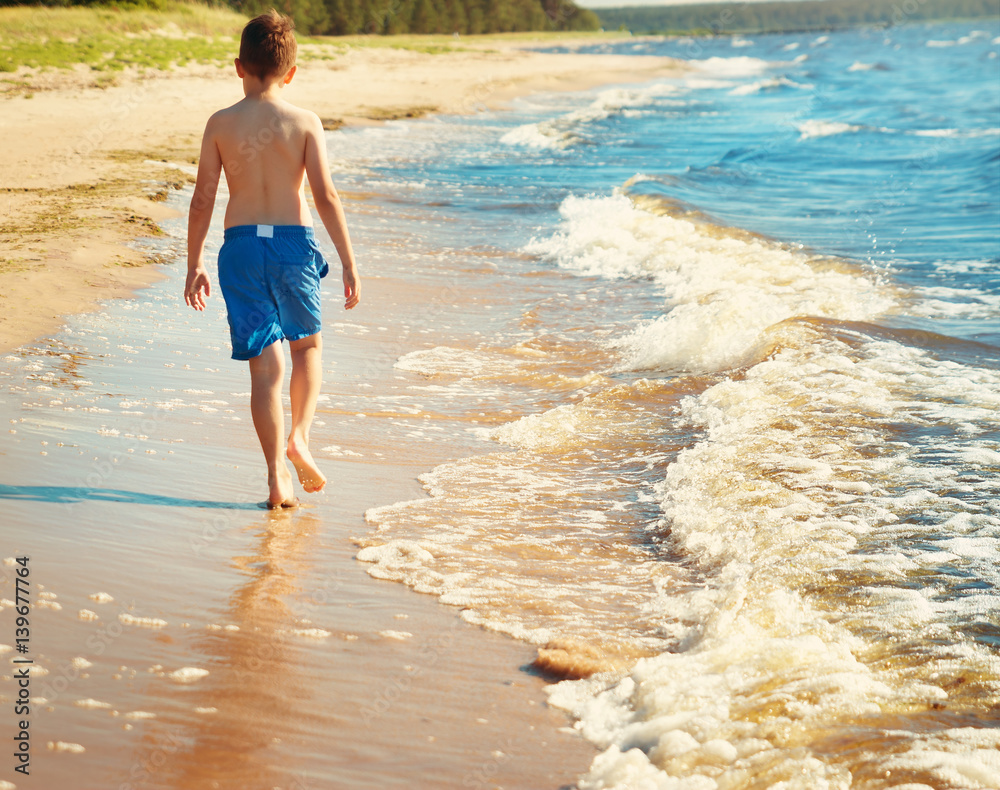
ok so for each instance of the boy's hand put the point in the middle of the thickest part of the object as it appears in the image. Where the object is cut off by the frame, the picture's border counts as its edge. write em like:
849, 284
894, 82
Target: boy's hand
352, 285
197, 288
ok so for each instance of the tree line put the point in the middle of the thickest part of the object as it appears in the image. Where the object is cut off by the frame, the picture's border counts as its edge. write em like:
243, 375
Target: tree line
779, 17
348, 17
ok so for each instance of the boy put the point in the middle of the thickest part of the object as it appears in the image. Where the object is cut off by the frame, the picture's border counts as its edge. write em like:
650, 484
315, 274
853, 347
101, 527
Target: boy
269, 264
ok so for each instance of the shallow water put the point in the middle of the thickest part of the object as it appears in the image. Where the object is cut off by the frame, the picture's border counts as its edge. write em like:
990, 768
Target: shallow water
182, 636
745, 329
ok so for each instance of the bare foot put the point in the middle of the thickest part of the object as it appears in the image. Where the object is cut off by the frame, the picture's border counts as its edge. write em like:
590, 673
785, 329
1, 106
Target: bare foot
280, 492
310, 477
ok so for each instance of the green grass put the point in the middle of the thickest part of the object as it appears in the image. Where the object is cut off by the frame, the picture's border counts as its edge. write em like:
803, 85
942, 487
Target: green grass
111, 39
80, 21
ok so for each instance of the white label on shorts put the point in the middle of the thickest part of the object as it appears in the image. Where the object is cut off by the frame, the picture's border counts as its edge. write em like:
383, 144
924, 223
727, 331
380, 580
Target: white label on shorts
265, 231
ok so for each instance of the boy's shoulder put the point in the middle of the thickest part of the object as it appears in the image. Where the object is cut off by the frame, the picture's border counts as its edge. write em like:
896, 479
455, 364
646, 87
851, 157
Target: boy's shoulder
239, 120
282, 109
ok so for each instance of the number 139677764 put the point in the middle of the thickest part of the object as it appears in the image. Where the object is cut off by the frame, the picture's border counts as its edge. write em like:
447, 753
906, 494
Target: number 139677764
22, 600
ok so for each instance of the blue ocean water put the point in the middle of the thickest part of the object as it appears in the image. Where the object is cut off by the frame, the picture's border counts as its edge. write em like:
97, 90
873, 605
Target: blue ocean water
704, 373
727, 352
846, 143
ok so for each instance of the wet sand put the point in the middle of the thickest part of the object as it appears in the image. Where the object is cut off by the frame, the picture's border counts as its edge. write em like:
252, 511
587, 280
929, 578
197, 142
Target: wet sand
182, 637
130, 469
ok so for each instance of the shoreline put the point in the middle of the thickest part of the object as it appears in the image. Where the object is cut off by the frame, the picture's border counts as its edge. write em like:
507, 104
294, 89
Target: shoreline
151, 558
412, 694
84, 172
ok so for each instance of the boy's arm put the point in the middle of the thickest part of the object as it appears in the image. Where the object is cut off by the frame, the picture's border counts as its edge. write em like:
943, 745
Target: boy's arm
329, 208
197, 285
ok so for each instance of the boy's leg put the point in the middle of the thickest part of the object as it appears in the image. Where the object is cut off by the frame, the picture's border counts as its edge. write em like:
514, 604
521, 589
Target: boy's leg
267, 373
307, 376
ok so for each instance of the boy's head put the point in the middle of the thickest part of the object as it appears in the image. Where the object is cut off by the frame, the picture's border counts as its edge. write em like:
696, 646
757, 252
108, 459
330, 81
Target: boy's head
267, 47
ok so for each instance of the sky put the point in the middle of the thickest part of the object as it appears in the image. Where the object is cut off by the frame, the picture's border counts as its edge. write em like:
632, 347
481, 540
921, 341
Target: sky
620, 3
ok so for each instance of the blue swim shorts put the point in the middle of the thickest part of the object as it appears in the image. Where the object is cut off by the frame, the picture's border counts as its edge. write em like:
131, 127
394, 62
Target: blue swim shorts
269, 275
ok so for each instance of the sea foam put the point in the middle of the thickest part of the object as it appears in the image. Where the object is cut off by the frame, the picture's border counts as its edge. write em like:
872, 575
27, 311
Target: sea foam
720, 290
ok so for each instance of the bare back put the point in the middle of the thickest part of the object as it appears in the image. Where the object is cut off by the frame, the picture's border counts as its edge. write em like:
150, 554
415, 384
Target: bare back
268, 149
262, 145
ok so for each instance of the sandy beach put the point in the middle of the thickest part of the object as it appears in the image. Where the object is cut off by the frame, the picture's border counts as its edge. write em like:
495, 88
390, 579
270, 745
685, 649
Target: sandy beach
181, 636
86, 169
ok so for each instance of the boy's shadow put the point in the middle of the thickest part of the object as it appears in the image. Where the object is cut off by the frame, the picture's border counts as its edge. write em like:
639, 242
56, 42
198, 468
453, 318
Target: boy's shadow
71, 494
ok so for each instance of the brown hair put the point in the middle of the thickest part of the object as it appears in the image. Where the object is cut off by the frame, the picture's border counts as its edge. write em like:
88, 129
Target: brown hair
267, 47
